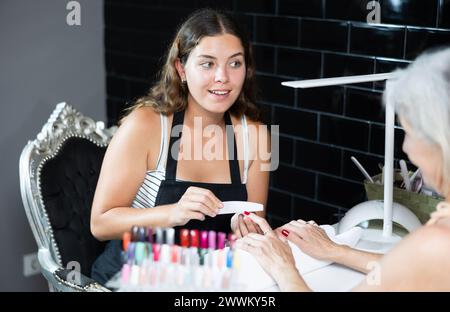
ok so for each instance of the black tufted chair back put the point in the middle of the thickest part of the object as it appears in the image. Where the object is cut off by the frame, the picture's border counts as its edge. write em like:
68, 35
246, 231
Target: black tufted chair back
68, 183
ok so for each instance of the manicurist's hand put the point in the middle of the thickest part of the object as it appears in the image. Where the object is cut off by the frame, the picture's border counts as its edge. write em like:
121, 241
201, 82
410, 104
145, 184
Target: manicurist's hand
195, 204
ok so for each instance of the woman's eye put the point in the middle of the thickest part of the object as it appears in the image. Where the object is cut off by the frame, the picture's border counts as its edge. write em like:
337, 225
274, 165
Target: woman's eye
236, 64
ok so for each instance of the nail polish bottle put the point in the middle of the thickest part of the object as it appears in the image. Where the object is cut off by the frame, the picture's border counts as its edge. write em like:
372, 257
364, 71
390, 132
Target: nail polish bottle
203, 246
221, 261
134, 233
211, 255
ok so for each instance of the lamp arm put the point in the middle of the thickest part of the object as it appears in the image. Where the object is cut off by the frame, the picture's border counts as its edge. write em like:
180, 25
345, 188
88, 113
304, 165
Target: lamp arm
368, 210
388, 169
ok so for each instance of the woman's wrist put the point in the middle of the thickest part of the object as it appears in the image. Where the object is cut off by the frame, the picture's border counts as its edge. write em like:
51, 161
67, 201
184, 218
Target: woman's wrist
339, 253
289, 279
164, 215
284, 274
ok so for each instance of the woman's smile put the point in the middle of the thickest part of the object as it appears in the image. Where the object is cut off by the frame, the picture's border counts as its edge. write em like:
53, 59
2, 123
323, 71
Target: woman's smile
219, 94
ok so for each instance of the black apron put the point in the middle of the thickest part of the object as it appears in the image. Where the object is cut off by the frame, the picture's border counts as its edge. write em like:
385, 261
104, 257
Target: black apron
171, 190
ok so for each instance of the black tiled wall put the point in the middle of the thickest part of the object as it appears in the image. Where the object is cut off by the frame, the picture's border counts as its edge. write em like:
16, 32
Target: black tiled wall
320, 129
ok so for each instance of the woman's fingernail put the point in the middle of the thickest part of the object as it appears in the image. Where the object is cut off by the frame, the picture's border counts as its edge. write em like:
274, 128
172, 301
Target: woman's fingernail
285, 232
246, 213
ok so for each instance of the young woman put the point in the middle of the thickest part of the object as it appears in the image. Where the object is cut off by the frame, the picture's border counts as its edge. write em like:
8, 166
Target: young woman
206, 83
421, 96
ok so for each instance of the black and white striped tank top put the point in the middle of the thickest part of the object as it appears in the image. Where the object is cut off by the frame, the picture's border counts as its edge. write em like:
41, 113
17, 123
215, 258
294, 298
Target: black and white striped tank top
146, 195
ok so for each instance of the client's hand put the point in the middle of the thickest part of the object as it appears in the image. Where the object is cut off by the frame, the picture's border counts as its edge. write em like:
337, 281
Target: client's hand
311, 239
272, 253
242, 226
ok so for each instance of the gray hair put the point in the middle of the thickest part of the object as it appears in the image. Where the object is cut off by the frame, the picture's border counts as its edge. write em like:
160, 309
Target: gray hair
421, 95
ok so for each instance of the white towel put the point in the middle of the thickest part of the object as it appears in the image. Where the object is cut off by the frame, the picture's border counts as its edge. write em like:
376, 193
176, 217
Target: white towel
252, 277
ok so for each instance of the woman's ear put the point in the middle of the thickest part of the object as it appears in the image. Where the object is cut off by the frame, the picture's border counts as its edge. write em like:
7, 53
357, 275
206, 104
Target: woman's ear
180, 69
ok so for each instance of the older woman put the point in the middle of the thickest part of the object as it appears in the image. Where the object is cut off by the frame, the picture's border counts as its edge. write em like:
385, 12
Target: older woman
421, 95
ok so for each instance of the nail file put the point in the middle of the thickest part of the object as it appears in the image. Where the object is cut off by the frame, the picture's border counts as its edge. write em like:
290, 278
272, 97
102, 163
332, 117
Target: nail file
240, 207
361, 168
405, 175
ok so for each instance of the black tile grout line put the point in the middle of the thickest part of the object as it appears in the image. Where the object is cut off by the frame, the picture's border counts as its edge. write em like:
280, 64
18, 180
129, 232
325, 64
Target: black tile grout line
344, 108
427, 28
272, 114
405, 37
440, 5
374, 88
299, 34
338, 147
353, 22
305, 110
294, 152
349, 31
297, 99
318, 127
370, 137
277, 8
275, 61
322, 64
316, 186
324, 10
295, 195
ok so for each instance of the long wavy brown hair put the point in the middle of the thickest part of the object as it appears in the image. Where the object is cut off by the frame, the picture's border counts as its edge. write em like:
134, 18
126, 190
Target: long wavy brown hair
169, 94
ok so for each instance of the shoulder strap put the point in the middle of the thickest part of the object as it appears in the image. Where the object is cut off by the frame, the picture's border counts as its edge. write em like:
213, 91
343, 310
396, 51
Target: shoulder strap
171, 167
232, 151
164, 144
246, 147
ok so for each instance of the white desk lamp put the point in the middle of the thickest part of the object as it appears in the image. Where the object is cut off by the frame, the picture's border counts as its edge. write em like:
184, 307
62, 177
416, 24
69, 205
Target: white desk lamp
374, 209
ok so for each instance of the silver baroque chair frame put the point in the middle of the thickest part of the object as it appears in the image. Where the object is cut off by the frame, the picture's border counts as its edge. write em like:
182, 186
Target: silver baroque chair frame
65, 122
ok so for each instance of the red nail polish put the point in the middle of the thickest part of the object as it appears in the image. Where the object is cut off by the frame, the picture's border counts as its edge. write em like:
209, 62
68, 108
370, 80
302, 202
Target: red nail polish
285, 232
246, 213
